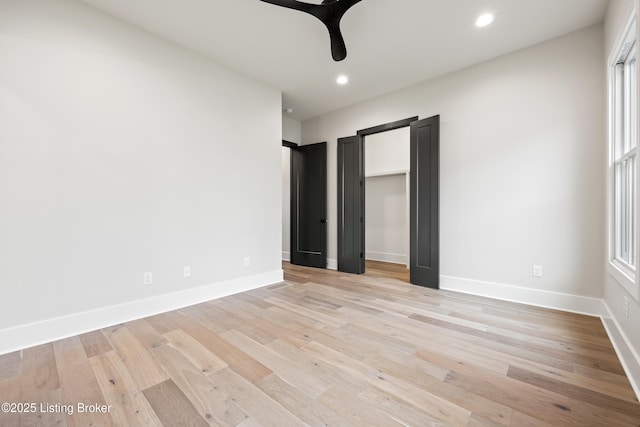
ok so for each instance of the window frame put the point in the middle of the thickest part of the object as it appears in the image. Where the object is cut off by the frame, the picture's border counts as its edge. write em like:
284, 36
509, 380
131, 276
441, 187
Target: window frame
619, 141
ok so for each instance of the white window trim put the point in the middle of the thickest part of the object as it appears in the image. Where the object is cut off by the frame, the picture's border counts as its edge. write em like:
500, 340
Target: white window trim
626, 278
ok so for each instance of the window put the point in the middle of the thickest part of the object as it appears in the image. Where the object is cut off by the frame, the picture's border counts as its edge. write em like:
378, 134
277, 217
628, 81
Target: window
624, 142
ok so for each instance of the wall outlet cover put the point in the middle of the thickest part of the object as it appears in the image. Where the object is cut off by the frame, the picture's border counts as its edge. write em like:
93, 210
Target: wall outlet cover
537, 271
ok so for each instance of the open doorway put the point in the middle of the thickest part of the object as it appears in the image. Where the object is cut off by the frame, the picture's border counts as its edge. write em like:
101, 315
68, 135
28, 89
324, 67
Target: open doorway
423, 200
387, 163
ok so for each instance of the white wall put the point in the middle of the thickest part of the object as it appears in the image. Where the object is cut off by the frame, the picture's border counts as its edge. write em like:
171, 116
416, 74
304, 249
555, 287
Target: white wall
292, 132
521, 164
121, 154
387, 219
387, 152
618, 15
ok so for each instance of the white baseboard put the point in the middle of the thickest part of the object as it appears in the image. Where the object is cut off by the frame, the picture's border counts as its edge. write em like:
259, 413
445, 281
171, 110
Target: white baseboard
286, 256
386, 257
535, 297
29, 335
626, 353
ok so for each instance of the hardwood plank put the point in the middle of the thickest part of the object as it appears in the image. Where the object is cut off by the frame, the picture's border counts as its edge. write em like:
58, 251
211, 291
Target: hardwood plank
457, 357
249, 422
95, 343
212, 316
524, 420
10, 365
535, 330
489, 410
278, 364
48, 414
172, 406
615, 379
253, 400
509, 348
165, 322
478, 420
39, 371
129, 406
40, 384
271, 323
299, 403
357, 412
624, 407
329, 374
360, 344
613, 388
79, 385
539, 403
204, 360
305, 311
254, 300
240, 362
586, 414
421, 399
344, 299
10, 393
397, 409
137, 359
213, 405
148, 337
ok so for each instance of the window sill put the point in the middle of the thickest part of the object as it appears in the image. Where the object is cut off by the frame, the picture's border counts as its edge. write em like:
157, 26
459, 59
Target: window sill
625, 280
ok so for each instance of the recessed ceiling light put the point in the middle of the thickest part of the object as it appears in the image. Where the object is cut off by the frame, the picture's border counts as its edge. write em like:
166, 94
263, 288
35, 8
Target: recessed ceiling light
484, 20
342, 80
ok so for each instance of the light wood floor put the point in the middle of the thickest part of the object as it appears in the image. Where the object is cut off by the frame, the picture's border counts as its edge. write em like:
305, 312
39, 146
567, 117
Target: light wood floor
325, 348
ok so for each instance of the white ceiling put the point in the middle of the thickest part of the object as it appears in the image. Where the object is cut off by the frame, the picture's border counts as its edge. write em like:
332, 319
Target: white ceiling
391, 43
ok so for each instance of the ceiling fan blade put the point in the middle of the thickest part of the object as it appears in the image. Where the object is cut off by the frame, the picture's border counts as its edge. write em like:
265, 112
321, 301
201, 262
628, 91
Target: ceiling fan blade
338, 46
312, 9
337, 9
343, 5
330, 12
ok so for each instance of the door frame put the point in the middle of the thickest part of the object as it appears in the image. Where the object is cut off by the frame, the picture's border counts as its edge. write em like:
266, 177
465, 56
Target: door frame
387, 127
298, 255
414, 201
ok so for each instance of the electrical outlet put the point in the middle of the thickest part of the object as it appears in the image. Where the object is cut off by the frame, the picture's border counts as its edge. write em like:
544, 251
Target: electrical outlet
148, 278
537, 271
247, 261
187, 271
625, 307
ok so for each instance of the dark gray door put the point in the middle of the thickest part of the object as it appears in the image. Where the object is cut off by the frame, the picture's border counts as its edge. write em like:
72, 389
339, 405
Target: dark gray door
351, 205
309, 205
424, 203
